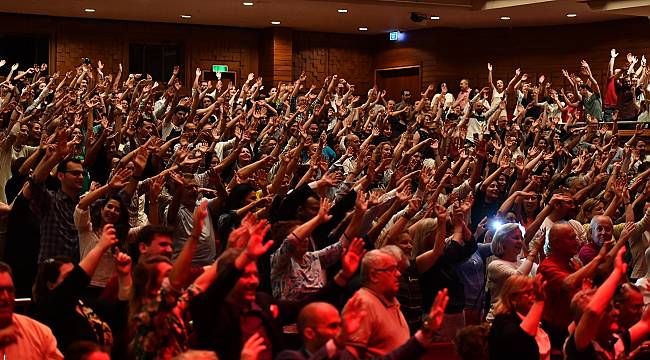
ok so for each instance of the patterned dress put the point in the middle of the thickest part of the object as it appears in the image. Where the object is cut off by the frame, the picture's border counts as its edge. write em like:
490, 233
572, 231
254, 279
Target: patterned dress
159, 328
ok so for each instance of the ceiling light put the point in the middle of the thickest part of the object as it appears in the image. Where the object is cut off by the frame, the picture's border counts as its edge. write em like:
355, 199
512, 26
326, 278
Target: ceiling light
275, 23
186, 16
247, 3
435, 18
89, 10
342, 11
571, 15
363, 29
505, 18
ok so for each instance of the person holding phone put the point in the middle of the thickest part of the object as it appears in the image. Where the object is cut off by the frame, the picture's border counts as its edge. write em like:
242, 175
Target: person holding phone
96, 209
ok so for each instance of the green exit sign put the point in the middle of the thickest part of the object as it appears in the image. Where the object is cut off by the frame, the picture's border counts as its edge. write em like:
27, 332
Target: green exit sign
219, 68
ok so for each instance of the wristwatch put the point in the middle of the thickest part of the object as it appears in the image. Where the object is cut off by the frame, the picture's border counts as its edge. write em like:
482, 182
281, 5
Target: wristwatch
426, 326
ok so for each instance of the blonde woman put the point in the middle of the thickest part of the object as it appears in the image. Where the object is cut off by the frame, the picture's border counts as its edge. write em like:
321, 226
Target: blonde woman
515, 331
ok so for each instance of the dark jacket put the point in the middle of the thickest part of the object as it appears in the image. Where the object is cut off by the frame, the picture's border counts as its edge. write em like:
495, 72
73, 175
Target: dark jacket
507, 340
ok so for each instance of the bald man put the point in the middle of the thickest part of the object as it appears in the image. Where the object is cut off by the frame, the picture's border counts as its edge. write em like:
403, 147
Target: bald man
563, 279
319, 325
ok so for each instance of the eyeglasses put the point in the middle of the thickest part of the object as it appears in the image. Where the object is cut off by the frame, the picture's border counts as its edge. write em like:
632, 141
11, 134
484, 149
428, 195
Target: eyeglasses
391, 269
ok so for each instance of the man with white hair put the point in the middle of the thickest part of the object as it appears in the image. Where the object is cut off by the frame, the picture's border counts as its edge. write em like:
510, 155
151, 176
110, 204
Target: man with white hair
384, 327
602, 229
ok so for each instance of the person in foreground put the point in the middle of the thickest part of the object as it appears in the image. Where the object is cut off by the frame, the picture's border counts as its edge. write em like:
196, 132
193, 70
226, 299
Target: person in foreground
597, 333
324, 335
20, 336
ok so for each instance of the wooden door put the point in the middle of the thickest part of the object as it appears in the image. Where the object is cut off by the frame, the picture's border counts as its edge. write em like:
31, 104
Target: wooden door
397, 79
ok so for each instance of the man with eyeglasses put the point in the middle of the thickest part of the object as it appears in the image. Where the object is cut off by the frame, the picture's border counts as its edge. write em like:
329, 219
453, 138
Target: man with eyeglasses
384, 327
54, 209
20, 336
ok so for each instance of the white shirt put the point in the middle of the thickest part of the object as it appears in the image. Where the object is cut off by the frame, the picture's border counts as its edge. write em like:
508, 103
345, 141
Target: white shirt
34, 341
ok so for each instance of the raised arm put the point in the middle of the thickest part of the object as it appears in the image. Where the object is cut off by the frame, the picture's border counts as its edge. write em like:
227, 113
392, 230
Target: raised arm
179, 275
118, 181
106, 241
490, 80
587, 327
587, 71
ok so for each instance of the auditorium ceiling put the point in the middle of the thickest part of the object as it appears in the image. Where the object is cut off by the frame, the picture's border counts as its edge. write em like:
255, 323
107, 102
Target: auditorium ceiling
341, 16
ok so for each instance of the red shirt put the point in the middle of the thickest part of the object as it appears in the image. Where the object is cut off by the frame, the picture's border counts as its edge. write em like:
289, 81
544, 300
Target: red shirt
557, 312
611, 99
588, 252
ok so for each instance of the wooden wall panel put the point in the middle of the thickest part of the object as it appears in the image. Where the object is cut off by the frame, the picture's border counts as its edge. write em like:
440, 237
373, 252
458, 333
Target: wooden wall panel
452, 54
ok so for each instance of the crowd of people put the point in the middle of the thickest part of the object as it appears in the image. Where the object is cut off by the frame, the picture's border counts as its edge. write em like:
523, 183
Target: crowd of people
145, 220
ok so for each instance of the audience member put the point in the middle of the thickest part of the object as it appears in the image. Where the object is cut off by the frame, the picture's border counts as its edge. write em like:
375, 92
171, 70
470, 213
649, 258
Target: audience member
139, 212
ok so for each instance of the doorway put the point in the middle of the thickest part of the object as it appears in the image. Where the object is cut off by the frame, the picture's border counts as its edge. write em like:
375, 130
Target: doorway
394, 80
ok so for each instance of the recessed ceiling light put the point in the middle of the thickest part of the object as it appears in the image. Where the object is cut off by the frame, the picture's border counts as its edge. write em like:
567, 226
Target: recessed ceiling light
571, 15
363, 29
247, 3
435, 18
186, 16
505, 18
89, 10
342, 11
275, 23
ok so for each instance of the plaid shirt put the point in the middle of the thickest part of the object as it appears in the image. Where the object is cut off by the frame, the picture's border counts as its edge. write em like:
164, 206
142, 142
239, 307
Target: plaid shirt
55, 212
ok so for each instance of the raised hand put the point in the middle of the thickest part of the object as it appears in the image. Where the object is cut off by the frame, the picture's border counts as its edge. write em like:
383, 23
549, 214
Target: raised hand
255, 248
200, 213
2, 62
156, 187
122, 263
323, 212
332, 178
253, 347
108, 237
361, 204
441, 214
413, 207
437, 312
120, 179
489, 67
628, 230
613, 53
352, 258
14, 67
